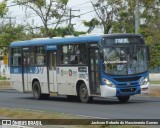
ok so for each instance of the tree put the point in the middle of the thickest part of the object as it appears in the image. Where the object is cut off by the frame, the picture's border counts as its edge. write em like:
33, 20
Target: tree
10, 33
3, 8
125, 21
3, 11
151, 29
47, 10
63, 31
107, 12
91, 24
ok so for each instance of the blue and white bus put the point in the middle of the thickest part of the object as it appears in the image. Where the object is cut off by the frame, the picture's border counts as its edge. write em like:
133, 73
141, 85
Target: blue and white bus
113, 65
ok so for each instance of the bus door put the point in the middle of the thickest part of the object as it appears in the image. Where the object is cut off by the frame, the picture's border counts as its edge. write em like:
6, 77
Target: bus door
94, 69
25, 68
52, 77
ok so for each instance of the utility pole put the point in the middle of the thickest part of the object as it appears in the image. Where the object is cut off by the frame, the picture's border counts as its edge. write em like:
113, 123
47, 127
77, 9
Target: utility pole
137, 18
71, 16
70, 25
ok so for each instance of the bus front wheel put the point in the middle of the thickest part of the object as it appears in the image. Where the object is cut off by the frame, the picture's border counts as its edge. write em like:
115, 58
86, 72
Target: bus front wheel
83, 94
123, 99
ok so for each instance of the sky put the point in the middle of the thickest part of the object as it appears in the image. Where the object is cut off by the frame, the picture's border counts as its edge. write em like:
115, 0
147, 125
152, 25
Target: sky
83, 6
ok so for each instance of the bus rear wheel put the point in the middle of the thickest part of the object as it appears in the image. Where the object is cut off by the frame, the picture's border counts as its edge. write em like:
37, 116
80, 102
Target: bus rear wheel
36, 90
123, 99
83, 94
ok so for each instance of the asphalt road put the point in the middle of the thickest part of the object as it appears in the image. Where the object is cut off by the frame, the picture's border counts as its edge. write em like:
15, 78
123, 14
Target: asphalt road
139, 107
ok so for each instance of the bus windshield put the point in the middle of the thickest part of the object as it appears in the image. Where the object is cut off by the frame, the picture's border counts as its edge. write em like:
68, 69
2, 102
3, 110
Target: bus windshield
125, 60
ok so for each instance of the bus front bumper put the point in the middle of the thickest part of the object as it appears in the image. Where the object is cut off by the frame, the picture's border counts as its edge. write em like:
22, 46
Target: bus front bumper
145, 88
107, 91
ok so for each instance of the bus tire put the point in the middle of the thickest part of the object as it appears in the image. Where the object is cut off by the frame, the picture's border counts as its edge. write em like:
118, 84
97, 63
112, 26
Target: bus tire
123, 99
36, 90
83, 94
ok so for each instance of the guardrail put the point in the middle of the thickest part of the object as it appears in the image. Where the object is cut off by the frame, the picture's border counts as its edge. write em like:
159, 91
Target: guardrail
154, 76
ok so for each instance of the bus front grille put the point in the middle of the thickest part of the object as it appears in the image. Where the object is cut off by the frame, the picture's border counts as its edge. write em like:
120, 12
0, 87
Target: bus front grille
129, 79
128, 84
128, 90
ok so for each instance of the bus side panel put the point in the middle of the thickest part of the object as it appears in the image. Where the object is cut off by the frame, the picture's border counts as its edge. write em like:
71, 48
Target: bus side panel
67, 78
16, 78
40, 74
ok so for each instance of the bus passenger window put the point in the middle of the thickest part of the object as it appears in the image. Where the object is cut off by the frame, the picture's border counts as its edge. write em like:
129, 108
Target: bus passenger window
64, 56
40, 60
65, 59
82, 54
32, 56
65, 50
73, 54
16, 57
32, 61
40, 56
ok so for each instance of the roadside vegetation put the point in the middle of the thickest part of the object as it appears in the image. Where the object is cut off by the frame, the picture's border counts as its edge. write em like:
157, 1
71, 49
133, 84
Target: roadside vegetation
29, 114
2, 78
155, 82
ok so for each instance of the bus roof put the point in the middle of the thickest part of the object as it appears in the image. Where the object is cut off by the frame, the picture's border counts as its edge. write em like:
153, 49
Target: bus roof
65, 40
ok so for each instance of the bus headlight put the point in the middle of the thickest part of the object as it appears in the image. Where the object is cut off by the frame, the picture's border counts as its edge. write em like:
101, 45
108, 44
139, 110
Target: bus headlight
144, 81
108, 83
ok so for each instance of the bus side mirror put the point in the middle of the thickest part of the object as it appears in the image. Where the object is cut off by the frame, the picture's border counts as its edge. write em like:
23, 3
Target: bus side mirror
101, 53
148, 53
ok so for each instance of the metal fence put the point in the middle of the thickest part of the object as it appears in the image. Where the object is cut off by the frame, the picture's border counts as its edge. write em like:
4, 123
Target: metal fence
155, 70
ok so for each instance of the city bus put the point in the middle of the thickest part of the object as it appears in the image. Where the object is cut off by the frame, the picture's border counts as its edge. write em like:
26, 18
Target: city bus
82, 67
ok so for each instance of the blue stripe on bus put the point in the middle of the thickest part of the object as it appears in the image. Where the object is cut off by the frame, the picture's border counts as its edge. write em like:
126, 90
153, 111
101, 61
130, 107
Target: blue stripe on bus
36, 70
15, 70
29, 70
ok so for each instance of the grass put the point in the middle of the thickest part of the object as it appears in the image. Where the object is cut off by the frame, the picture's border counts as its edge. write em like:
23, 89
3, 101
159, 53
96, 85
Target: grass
2, 78
155, 82
29, 114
